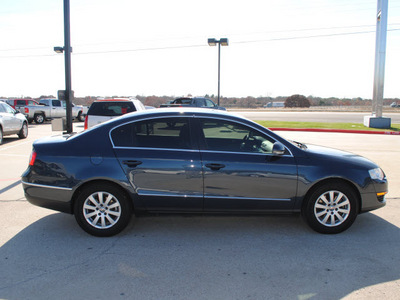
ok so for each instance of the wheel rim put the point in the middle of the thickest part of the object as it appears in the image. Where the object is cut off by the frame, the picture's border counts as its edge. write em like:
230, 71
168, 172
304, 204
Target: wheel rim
102, 210
332, 208
39, 118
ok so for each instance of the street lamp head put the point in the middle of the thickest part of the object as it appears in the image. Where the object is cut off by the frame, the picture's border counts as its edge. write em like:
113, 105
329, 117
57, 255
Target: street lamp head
212, 42
59, 49
224, 42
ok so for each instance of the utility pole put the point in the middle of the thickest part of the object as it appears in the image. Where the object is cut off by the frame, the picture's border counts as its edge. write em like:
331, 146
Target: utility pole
376, 120
67, 53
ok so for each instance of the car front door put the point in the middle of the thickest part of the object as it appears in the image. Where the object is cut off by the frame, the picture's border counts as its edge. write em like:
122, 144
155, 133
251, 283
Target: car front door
58, 109
161, 162
240, 171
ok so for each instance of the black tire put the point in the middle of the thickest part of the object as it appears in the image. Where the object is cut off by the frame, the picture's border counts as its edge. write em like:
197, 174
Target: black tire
39, 118
23, 133
1, 136
102, 210
331, 208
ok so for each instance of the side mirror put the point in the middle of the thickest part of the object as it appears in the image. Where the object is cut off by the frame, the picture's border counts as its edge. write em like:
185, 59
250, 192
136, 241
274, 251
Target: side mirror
278, 149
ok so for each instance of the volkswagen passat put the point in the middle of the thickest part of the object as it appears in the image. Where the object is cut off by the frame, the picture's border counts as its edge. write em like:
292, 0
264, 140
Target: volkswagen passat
197, 161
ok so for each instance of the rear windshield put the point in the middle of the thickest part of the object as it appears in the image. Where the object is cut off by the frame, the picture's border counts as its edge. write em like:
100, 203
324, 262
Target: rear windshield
113, 108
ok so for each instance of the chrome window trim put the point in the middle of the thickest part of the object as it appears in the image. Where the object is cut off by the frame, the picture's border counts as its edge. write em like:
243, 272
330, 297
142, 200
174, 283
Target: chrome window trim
247, 153
164, 149
47, 186
194, 115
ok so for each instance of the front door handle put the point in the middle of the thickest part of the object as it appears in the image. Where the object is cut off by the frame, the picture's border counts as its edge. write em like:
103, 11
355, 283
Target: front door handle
132, 163
215, 167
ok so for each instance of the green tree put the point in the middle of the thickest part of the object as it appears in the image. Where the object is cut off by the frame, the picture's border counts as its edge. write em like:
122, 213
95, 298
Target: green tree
297, 101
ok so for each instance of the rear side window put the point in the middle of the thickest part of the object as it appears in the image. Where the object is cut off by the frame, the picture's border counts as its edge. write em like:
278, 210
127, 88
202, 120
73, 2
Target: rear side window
21, 102
168, 133
111, 109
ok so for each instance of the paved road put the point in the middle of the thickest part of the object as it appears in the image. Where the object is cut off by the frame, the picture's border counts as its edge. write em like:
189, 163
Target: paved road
330, 117
45, 255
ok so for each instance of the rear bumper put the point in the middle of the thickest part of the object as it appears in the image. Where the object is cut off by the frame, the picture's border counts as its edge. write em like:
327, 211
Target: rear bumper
50, 197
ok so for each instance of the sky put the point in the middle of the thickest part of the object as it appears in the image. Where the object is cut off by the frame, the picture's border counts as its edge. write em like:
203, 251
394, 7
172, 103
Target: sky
320, 48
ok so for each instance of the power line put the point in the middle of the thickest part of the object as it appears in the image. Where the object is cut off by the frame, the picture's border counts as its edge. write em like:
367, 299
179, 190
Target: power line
202, 45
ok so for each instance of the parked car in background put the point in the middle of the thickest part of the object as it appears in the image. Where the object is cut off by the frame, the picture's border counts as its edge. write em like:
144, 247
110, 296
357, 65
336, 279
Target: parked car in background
394, 104
12, 122
274, 104
197, 161
52, 108
19, 105
193, 102
107, 109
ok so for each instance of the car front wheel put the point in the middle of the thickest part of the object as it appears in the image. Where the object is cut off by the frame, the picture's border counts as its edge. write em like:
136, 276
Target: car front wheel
102, 210
331, 208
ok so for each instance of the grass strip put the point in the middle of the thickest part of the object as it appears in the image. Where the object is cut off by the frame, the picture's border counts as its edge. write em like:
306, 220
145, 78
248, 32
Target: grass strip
316, 125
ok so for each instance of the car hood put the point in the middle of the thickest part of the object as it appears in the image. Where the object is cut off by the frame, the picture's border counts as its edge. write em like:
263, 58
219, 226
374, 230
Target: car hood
338, 155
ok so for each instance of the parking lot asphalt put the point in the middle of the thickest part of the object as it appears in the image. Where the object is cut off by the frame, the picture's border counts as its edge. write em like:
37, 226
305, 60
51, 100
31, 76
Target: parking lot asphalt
45, 255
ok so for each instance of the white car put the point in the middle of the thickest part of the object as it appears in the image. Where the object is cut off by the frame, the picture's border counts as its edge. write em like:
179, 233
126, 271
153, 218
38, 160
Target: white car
106, 109
12, 122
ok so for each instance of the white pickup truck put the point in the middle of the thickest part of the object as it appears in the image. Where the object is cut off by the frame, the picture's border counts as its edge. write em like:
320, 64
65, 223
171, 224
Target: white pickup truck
52, 108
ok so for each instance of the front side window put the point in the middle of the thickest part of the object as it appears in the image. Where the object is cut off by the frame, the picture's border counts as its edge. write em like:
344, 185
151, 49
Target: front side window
209, 103
168, 133
221, 135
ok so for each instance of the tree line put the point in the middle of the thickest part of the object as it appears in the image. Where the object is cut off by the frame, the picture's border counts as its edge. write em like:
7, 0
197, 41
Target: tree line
242, 102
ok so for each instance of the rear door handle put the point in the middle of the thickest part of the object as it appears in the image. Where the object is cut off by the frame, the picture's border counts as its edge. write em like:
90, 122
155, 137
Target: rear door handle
132, 163
215, 167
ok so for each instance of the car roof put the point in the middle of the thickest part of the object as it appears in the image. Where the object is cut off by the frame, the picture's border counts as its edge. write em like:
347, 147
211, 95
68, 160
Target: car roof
116, 99
173, 111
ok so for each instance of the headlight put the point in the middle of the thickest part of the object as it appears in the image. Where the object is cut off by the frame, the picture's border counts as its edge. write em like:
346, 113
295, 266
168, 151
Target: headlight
377, 174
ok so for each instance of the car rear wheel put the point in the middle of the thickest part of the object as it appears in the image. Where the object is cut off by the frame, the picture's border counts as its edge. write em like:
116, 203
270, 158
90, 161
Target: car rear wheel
331, 208
1, 135
103, 210
23, 133
39, 118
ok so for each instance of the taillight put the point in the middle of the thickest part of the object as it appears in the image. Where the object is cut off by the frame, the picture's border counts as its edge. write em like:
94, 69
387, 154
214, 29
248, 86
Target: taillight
86, 121
32, 158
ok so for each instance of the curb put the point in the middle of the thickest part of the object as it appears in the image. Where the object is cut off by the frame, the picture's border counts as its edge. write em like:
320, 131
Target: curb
334, 130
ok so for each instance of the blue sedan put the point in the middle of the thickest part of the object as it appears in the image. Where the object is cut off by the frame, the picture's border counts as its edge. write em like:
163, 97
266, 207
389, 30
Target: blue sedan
197, 161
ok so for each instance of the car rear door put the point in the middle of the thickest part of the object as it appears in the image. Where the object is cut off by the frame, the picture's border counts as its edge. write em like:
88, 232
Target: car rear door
160, 159
240, 171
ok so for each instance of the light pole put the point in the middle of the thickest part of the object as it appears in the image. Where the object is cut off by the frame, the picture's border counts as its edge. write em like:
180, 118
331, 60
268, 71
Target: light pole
214, 42
67, 52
